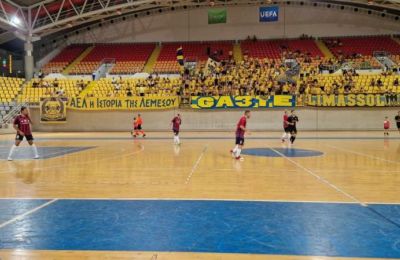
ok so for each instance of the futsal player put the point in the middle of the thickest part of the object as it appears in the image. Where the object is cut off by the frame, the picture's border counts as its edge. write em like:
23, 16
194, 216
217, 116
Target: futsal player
240, 131
134, 131
397, 118
286, 132
22, 125
386, 126
292, 120
176, 124
139, 131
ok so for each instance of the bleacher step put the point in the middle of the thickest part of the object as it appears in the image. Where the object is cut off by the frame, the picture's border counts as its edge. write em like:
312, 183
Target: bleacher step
396, 40
88, 89
148, 67
78, 59
237, 52
324, 49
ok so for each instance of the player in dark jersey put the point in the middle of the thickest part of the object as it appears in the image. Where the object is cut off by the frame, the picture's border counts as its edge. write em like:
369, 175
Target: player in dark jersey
293, 119
240, 131
22, 125
286, 132
176, 125
397, 119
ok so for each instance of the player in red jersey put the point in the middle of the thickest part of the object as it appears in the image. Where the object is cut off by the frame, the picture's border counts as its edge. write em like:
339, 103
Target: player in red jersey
176, 124
386, 126
286, 134
240, 131
22, 125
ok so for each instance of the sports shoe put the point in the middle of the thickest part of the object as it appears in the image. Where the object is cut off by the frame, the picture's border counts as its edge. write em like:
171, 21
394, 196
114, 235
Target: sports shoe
9, 159
239, 158
36, 157
144, 135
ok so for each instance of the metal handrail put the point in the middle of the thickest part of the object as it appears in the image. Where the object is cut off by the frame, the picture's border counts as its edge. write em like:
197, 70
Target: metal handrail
12, 113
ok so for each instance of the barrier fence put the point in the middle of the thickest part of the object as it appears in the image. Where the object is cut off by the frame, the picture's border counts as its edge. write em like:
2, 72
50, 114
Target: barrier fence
55, 109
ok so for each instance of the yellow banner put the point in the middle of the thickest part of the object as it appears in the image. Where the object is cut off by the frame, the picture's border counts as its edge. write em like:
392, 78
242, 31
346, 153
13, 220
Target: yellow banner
53, 110
221, 102
128, 103
349, 100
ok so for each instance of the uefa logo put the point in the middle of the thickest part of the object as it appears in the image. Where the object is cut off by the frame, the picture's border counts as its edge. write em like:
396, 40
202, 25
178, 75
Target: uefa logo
269, 14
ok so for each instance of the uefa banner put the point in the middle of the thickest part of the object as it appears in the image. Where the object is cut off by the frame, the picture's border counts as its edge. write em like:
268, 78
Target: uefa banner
269, 14
128, 103
53, 110
223, 102
352, 100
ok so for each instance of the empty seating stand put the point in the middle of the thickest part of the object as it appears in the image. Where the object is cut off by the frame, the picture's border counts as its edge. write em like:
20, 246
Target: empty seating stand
129, 58
63, 59
365, 46
9, 88
273, 49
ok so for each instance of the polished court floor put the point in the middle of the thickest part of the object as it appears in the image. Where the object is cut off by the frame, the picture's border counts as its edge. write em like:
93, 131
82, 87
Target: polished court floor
107, 196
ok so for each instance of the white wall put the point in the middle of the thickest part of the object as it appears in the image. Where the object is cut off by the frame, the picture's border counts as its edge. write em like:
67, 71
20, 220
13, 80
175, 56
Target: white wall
191, 25
8, 130
49, 56
310, 119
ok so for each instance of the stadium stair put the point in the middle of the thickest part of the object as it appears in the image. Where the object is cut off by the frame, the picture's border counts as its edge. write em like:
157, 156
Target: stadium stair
237, 52
88, 89
78, 59
327, 53
396, 40
148, 67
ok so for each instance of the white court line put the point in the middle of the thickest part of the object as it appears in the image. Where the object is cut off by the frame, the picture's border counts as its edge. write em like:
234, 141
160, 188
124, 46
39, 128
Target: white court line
363, 154
196, 199
19, 217
58, 153
321, 179
210, 199
196, 164
84, 162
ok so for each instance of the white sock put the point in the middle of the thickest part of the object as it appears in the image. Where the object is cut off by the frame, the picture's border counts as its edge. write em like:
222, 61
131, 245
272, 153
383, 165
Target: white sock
177, 139
238, 151
284, 136
12, 150
34, 149
235, 149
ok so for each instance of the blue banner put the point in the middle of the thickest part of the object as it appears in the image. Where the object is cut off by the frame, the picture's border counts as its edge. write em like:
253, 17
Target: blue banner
269, 14
215, 102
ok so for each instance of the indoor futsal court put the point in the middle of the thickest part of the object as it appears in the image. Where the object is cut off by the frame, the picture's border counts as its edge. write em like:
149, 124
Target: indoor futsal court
106, 196
199, 130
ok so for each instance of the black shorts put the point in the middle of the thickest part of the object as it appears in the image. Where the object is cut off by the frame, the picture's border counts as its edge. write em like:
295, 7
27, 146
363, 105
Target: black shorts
239, 140
176, 131
139, 127
286, 129
21, 137
292, 130
398, 125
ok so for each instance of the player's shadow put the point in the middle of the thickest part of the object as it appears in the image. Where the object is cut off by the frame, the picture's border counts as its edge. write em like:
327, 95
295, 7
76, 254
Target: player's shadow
28, 172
